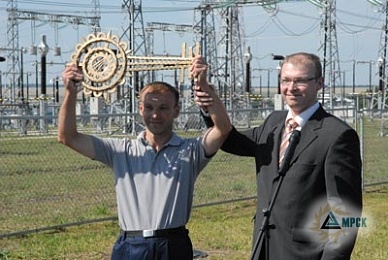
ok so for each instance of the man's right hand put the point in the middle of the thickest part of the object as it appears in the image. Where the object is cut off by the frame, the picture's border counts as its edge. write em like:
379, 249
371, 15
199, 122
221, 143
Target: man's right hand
71, 76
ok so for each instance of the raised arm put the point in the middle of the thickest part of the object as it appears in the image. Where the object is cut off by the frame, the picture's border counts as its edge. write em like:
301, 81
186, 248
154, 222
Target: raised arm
216, 135
67, 127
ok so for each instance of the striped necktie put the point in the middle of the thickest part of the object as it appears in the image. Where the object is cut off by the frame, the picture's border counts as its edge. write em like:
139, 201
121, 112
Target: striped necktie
290, 126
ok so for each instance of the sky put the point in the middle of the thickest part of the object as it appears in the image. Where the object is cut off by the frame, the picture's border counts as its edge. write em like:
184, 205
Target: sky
290, 26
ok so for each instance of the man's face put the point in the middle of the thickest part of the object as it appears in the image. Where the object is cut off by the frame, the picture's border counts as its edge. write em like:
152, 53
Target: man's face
159, 111
299, 86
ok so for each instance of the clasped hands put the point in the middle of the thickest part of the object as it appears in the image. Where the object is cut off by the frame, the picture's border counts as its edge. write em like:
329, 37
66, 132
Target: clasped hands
203, 91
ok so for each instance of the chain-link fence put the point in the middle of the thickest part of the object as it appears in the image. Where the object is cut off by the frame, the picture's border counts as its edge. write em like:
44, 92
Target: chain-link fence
45, 185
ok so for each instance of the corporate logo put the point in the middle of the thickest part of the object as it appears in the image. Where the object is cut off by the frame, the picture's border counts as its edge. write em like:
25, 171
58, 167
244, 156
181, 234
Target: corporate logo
335, 222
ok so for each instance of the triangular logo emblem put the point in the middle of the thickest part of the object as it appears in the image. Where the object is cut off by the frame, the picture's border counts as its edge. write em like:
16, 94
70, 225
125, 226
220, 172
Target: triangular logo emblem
330, 222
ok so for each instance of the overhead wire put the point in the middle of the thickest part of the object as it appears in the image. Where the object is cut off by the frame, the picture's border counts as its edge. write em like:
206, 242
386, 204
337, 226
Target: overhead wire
261, 29
280, 25
346, 27
118, 9
86, 7
286, 30
275, 18
278, 22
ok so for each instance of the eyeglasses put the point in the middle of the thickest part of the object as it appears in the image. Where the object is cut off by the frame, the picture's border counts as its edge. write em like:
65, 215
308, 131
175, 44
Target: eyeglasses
297, 82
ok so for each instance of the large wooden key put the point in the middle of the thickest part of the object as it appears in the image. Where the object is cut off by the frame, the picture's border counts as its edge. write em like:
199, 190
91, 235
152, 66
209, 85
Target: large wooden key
106, 62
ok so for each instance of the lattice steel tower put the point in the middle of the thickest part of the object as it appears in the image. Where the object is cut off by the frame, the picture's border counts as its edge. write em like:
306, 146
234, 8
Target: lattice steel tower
226, 64
16, 16
205, 33
329, 47
135, 34
379, 100
96, 14
13, 67
225, 51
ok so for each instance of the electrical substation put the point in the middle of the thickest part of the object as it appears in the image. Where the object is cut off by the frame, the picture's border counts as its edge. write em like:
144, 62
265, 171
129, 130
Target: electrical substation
218, 29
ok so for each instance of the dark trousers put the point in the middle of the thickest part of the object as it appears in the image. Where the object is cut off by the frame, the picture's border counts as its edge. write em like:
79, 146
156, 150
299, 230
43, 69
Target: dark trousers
172, 247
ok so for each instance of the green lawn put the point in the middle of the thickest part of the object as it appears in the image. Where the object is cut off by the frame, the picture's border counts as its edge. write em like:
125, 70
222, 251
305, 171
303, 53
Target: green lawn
43, 183
222, 231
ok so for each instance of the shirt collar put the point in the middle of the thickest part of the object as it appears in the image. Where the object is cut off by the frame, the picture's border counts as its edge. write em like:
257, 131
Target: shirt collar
174, 141
303, 117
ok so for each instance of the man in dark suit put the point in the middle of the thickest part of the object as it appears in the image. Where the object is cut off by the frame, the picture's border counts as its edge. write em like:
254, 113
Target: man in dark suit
320, 193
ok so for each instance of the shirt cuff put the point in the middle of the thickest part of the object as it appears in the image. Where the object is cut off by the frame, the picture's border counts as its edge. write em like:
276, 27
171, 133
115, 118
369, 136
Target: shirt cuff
205, 113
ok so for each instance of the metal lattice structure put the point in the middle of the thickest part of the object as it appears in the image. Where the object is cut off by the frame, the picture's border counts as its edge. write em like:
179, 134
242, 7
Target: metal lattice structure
16, 16
379, 101
232, 80
13, 68
96, 16
205, 33
226, 64
223, 45
329, 47
165, 27
135, 34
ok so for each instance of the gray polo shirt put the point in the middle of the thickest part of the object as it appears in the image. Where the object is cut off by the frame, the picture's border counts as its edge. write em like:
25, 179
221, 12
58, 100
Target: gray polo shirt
154, 189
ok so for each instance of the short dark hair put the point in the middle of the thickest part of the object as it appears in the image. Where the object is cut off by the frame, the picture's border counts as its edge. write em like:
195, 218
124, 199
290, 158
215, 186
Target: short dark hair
306, 59
159, 87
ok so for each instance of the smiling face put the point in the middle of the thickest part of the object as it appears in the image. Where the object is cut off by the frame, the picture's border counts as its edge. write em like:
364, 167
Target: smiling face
158, 107
300, 81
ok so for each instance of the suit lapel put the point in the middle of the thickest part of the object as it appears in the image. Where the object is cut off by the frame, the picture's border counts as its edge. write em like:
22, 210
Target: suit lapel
277, 132
308, 135
309, 132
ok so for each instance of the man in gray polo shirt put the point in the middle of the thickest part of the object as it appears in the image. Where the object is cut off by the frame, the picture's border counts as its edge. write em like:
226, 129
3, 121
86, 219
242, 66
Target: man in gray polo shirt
155, 173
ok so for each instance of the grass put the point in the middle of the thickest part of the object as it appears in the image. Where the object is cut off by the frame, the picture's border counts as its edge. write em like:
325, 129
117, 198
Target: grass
372, 241
222, 231
43, 183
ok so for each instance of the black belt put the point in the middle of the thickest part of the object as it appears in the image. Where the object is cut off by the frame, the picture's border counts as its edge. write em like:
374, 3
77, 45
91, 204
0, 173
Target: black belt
154, 233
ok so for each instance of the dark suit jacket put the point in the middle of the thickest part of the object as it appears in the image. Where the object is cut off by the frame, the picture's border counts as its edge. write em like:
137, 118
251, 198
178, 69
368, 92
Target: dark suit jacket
326, 164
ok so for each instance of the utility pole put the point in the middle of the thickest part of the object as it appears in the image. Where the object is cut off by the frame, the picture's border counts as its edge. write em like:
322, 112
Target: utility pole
164, 27
15, 16
96, 17
379, 96
225, 53
13, 46
329, 47
228, 64
205, 34
135, 35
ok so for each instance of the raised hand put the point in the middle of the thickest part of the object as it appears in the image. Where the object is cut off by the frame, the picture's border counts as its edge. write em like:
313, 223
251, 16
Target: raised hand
71, 76
201, 87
